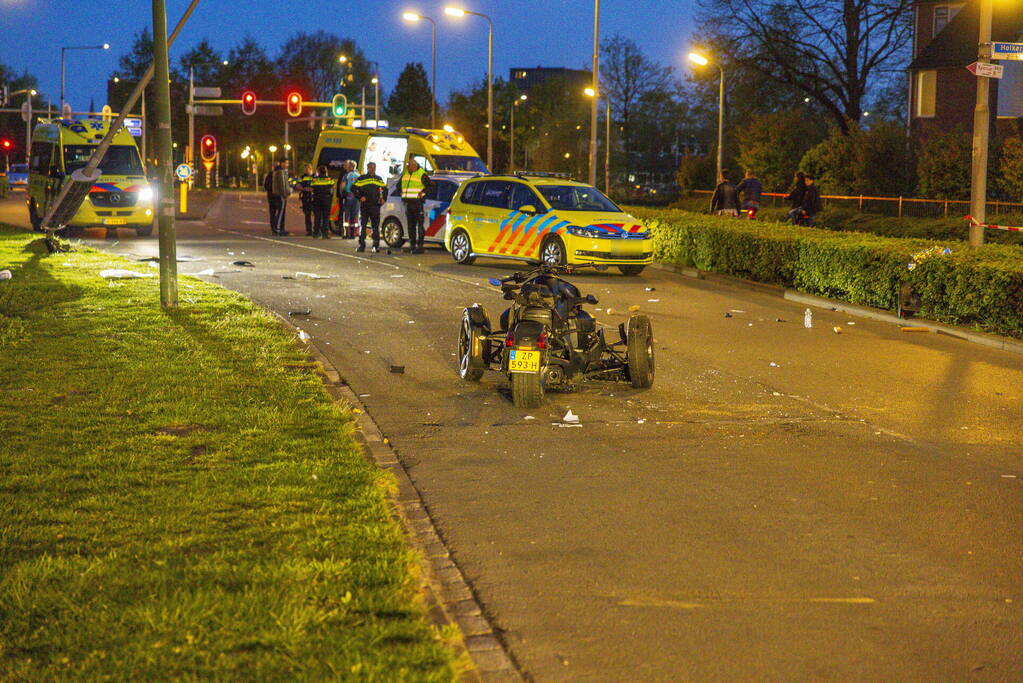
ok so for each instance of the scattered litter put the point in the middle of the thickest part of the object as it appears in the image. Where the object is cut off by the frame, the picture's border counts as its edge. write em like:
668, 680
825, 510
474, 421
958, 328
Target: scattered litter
850, 323
837, 329
363, 395
570, 417
121, 274
808, 319
610, 311
6, 275
287, 277
304, 311
749, 324
727, 314
774, 365
735, 310
311, 276
398, 369
775, 393
651, 289
529, 417
411, 322
641, 421
231, 253
1008, 476
780, 320
397, 276
246, 264
633, 308
914, 329
653, 301
367, 352
208, 271
149, 258
189, 259
303, 335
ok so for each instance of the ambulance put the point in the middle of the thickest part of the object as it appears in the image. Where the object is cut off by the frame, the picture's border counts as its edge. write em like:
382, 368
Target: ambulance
435, 150
121, 197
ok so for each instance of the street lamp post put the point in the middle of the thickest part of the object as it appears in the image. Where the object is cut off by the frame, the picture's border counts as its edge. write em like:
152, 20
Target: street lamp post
596, 89
104, 46
458, 12
607, 138
28, 120
376, 93
415, 16
697, 58
273, 153
511, 151
981, 134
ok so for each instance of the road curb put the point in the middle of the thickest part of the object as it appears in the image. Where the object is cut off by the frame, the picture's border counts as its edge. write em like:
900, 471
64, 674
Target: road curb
983, 339
449, 598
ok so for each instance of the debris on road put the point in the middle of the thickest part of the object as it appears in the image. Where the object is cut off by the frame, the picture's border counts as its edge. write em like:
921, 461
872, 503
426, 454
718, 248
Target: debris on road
397, 276
529, 417
570, 417
736, 310
311, 276
633, 308
398, 369
728, 314
837, 329
808, 319
304, 311
651, 289
914, 329
303, 335
610, 311
121, 274
208, 271
245, 264
774, 365
6, 275
653, 301
779, 320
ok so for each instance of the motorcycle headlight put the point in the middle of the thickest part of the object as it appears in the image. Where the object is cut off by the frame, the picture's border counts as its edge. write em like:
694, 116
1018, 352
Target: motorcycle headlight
146, 194
585, 232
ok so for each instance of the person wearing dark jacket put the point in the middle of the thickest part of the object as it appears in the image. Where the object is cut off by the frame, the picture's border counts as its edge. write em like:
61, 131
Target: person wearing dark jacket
751, 190
725, 201
414, 183
305, 195
811, 203
322, 190
795, 198
371, 191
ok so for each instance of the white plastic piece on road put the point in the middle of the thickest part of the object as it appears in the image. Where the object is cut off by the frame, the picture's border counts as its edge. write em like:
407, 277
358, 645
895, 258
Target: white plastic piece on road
303, 335
397, 276
570, 417
121, 274
653, 301
529, 417
208, 271
6, 275
808, 319
311, 276
184, 258
774, 365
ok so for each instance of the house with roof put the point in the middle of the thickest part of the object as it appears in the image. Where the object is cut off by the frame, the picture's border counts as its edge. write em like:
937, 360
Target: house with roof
942, 93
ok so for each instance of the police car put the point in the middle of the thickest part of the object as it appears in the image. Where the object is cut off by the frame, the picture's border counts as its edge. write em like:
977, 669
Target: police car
393, 227
17, 176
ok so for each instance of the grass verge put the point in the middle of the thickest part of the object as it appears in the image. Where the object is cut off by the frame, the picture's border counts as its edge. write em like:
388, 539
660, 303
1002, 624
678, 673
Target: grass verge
180, 499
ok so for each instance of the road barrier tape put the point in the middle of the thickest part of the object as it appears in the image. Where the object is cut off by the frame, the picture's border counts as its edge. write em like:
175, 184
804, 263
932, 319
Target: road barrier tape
992, 226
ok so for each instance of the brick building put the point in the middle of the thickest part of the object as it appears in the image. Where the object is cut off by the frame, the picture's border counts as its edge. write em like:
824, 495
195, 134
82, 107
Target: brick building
942, 92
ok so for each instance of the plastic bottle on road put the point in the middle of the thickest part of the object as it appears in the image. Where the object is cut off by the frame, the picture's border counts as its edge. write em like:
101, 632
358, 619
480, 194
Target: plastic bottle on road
808, 319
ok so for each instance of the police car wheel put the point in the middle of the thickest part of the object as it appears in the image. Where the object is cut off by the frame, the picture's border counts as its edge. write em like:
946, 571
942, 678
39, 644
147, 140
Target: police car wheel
631, 270
393, 233
553, 252
461, 248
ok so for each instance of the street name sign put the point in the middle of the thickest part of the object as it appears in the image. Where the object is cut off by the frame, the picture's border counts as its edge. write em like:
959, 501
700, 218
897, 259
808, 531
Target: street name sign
1007, 51
985, 70
183, 172
134, 127
207, 110
199, 91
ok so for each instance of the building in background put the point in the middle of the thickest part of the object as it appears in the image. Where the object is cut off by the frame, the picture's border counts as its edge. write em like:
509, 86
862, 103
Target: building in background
527, 79
942, 93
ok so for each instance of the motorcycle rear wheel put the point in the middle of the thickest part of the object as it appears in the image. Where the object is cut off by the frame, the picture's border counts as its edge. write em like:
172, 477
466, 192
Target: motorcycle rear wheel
640, 352
527, 389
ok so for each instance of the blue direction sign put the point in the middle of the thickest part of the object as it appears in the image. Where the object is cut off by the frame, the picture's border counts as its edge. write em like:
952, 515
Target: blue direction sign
1007, 51
183, 172
134, 126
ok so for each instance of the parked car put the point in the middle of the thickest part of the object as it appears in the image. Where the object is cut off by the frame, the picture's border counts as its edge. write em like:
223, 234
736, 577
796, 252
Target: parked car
17, 176
392, 215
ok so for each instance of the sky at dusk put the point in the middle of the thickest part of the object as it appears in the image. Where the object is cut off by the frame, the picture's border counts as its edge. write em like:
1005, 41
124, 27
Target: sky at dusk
526, 33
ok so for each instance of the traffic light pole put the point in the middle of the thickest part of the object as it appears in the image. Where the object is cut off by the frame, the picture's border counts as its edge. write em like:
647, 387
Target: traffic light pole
165, 161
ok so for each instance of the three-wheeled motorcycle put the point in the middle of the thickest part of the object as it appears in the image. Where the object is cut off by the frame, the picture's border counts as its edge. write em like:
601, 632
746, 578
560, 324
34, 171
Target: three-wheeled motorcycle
545, 339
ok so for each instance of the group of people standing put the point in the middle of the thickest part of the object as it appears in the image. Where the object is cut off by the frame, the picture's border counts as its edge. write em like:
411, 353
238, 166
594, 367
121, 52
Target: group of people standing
731, 200
359, 200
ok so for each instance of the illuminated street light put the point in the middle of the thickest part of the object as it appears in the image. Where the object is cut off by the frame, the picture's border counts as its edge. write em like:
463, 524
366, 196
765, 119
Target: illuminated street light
511, 155
590, 92
104, 46
697, 58
415, 17
459, 12
342, 59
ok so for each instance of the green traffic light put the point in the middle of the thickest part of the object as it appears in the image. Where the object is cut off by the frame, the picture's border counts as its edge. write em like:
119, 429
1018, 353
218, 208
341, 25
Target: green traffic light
339, 105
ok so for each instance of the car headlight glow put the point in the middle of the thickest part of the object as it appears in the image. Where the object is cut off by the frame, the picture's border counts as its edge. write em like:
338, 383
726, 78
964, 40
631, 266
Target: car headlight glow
585, 232
146, 194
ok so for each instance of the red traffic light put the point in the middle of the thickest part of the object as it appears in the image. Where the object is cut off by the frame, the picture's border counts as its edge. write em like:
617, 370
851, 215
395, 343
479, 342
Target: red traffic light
6, 144
208, 148
294, 103
248, 103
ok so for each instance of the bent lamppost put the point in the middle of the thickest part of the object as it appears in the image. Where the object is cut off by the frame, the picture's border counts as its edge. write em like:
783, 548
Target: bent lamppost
459, 12
697, 58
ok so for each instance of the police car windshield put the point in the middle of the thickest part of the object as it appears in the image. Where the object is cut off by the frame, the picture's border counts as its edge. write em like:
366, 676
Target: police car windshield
576, 198
119, 159
455, 162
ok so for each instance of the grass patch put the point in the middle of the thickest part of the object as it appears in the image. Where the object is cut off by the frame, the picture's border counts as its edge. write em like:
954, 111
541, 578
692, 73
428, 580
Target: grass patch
179, 498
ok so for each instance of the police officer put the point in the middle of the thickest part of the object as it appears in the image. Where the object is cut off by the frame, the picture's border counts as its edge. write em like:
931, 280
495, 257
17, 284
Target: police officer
414, 183
322, 192
371, 190
305, 194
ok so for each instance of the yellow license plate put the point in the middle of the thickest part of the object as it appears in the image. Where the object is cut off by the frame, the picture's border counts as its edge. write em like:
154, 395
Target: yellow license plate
115, 221
523, 361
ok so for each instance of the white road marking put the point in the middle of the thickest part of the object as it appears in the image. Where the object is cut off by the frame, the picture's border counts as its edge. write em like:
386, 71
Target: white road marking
306, 246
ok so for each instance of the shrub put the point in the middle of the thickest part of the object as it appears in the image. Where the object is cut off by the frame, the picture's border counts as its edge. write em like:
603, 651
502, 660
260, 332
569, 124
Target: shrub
981, 288
1011, 168
773, 145
874, 162
944, 163
696, 172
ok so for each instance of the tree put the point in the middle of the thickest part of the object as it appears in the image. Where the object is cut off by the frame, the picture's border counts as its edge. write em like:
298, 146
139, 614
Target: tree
410, 102
207, 64
876, 162
773, 145
310, 62
831, 50
943, 164
626, 76
133, 65
1011, 167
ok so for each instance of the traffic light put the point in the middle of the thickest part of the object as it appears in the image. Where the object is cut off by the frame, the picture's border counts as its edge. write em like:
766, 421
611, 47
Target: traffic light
294, 103
339, 105
6, 145
208, 148
248, 103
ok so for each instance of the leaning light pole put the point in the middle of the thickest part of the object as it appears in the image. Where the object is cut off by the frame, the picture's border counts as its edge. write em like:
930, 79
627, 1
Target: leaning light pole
104, 46
458, 12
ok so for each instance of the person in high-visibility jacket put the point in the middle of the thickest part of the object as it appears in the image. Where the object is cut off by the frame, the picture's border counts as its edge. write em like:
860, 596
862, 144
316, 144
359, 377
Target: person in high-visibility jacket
414, 183
371, 191
322, 188
305, 194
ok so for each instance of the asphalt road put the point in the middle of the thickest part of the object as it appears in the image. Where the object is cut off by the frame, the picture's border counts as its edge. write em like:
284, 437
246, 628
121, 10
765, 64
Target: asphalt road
784, 504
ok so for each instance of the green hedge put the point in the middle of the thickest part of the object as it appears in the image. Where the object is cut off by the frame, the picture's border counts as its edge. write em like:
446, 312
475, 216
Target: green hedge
981, 288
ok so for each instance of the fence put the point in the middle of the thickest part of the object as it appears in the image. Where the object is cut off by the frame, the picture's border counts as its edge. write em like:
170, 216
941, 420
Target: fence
895, 206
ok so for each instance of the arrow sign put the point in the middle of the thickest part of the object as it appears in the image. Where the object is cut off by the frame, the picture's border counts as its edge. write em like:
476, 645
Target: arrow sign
985, 70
